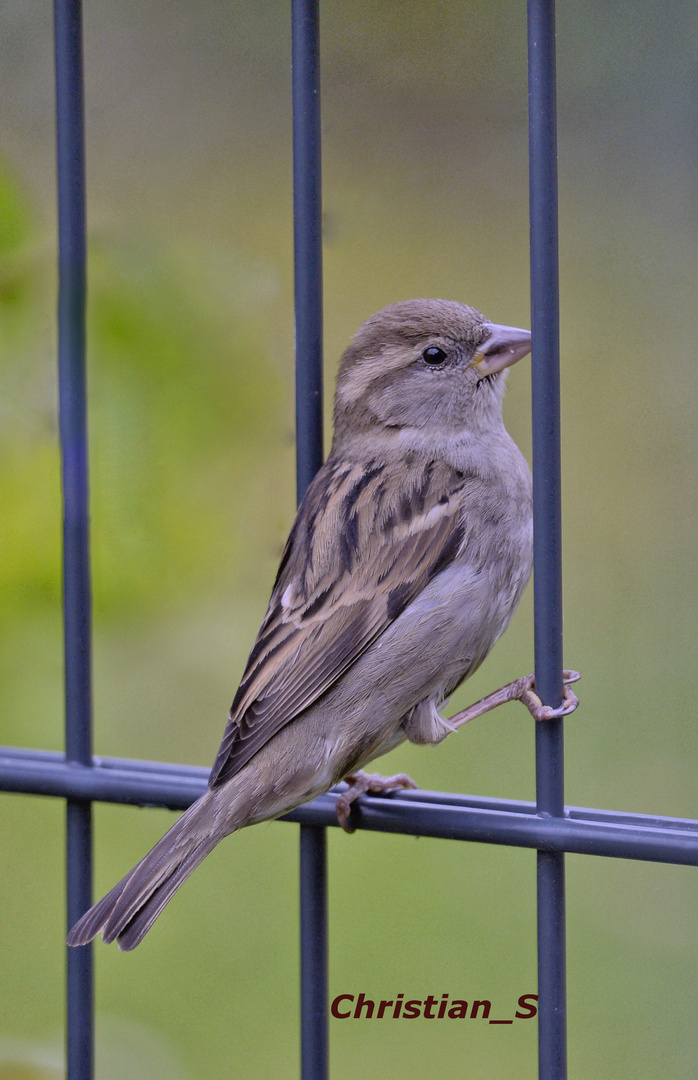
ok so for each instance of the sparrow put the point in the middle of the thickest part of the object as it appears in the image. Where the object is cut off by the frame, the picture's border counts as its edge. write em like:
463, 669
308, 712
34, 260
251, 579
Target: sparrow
408, 556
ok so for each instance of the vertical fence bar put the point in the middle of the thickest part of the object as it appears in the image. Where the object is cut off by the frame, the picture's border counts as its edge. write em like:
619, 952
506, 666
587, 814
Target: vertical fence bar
547, 527
307, 220
307, 215
313, 889
76, 561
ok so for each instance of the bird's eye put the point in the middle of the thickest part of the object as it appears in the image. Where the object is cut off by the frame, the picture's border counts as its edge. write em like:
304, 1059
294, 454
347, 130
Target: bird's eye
434, 355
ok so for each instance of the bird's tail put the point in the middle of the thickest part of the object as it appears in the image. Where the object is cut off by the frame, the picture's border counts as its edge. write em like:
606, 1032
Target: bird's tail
127, 913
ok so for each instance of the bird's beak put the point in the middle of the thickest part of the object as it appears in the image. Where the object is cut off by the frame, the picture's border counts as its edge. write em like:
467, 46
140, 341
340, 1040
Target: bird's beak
503, 346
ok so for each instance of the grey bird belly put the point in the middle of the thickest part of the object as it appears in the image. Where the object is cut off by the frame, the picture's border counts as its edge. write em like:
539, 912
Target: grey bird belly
441, 638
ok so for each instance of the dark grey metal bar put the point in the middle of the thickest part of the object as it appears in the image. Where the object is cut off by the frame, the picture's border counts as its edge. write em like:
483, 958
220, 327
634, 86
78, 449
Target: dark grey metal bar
70, 142
307, 220
313, 916
552, 1022
417, 813
164, 784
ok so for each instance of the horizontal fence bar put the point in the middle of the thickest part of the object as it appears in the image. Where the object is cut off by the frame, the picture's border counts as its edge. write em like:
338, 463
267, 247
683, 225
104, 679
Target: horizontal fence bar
415, 813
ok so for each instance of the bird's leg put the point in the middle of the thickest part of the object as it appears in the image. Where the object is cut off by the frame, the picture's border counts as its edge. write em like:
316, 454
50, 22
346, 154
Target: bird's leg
522, 690
360, 783
434, 728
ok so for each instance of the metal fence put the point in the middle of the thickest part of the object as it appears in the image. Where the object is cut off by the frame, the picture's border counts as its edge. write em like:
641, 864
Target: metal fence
81, 779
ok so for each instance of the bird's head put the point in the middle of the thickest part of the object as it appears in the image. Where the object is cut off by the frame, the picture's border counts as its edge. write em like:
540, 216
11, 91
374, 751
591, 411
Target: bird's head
431, 367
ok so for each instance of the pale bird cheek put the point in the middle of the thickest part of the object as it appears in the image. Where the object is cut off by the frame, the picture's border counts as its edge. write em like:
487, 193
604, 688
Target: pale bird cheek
358, 380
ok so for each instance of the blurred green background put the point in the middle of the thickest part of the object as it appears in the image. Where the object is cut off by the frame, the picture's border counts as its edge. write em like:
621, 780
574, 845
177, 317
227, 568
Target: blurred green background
192, 485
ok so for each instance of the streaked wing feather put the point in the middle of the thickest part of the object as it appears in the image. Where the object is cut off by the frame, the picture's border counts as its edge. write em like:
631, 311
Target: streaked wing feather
360, 551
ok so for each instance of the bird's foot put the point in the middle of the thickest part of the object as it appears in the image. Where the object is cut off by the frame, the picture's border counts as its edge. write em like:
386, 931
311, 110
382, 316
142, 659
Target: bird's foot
522, 690
359, 784
539, 711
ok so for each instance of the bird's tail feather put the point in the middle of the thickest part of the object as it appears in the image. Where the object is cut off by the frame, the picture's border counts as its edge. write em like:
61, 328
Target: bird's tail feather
128, 911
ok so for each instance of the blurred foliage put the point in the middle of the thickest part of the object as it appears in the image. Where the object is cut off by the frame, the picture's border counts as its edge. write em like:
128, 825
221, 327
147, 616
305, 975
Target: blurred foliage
190, 383
158, 515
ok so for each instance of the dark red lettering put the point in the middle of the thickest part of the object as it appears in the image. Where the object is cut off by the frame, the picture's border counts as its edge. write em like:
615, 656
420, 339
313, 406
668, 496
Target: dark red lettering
360, 1002
429, 1003
412, 1009
524, 1003
486, 1006
334, 1007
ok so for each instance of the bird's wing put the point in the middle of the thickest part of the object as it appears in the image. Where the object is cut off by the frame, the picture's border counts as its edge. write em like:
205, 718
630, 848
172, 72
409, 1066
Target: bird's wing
363, 545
